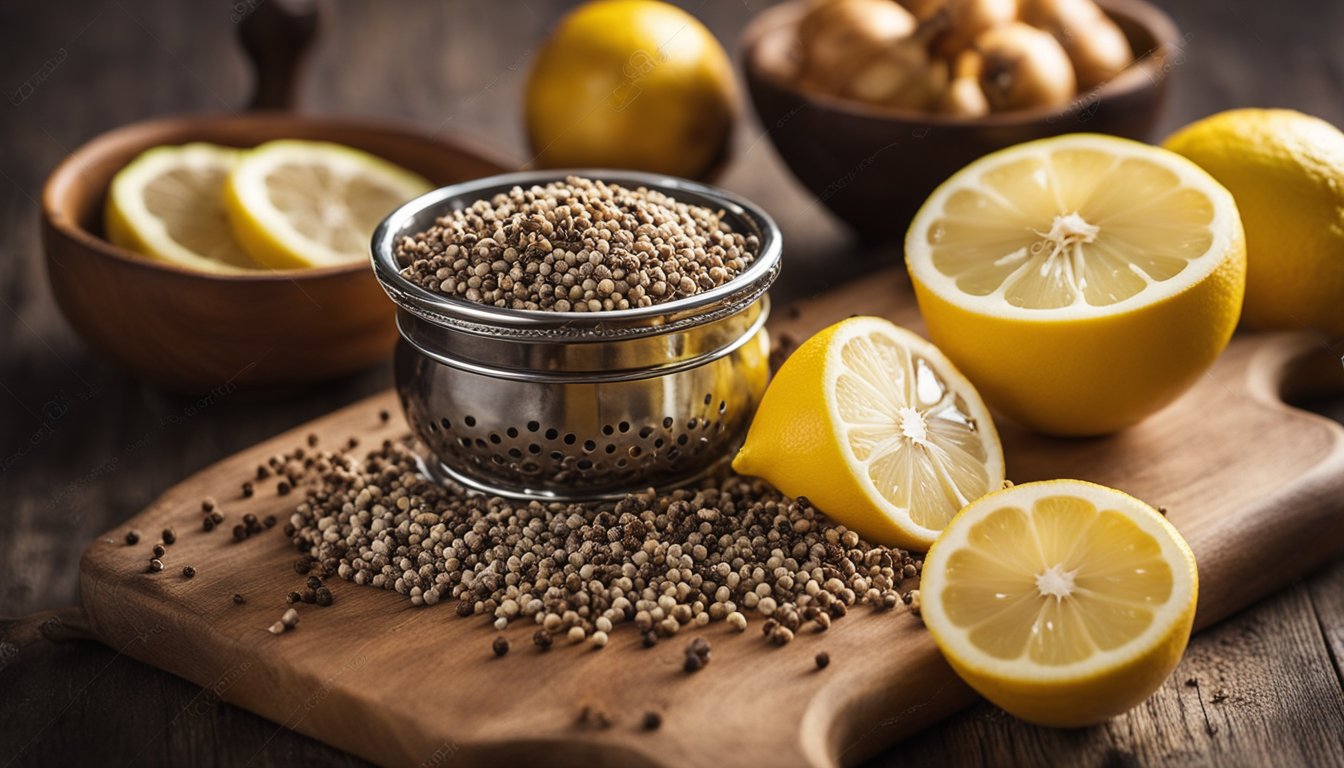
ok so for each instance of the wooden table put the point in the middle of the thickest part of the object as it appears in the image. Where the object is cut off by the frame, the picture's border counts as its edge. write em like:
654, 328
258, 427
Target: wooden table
83, 446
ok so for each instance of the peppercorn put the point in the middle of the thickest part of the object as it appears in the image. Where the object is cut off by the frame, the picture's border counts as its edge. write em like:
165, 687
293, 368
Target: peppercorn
293, 597
248, 490
270, 522
188, 571
313, 582
693, 663
239, 532
542, 639
384, 416
238, 599
312, 440
652, 721
465, 609
132, 537
217, 517
155, 565
158, 550
500, 646
650, 639
282, 488
324, 597
208, 524
823, 660
303, 565
290, 618
207, 504
169, 537
310, 596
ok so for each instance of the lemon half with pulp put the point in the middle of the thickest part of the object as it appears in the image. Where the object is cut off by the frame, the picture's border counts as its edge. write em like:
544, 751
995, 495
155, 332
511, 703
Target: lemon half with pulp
878, 429
1081, 282
1063, 602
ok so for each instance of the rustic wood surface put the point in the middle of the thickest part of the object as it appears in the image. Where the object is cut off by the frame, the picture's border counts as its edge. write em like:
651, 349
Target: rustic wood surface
83, 446
338, 679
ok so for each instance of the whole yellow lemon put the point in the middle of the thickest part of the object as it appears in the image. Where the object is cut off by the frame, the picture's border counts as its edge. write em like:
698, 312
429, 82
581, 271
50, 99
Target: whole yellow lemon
633, 84
1286, 171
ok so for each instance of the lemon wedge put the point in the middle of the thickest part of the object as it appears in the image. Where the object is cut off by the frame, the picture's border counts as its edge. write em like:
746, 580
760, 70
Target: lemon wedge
166, 204
1063, 602
1083, 281
878, 429
295, 204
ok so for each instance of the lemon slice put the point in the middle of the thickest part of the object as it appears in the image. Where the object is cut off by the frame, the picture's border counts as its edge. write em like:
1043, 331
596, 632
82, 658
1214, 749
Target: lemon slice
1082, 282
874, 426
166, 204
313, 204
1063, 602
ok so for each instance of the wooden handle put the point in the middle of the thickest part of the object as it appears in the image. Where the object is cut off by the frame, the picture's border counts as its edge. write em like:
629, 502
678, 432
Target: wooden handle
277, 35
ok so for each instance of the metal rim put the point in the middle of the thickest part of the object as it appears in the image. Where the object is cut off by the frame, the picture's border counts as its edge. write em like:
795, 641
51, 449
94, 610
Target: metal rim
451, 312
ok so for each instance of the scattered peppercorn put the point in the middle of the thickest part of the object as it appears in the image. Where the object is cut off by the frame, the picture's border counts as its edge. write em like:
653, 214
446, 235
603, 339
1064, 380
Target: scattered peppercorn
693, 663
188, 571
542, 639
313, 582
290, 618
248, 490
239, 532
652, 721
312, 440
663, 562
132, 537
155, 565
208, 524
208, 504
384, 416
159, 550
217, 517
500, 646
324, 597
823, 660
293, 597
238, 599
282, 488
310, 596
262, 472
269, 521
169, 537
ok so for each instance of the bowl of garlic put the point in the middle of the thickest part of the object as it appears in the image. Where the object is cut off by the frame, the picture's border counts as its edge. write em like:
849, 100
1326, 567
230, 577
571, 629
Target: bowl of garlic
873, 103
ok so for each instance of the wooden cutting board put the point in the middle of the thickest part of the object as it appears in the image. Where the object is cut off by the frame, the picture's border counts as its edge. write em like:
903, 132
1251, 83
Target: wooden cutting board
1255, 485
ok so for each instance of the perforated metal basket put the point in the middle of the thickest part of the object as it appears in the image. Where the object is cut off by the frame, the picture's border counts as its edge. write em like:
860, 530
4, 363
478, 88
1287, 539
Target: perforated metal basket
569, 405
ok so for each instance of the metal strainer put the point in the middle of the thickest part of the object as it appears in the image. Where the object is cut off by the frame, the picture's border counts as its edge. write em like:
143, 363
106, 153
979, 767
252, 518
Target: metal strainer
556, 405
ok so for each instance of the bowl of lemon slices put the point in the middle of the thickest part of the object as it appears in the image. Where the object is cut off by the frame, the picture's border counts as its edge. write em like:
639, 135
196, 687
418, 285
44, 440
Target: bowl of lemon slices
232, 252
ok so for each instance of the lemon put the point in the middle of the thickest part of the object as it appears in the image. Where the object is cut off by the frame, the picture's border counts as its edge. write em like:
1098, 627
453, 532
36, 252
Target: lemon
297, 204
874, 426
1286, 171
1082, 282
166, 204
631, 84
1063, 602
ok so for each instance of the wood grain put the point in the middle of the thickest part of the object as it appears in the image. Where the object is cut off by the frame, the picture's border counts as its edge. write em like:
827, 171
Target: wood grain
1254, 523
83, 446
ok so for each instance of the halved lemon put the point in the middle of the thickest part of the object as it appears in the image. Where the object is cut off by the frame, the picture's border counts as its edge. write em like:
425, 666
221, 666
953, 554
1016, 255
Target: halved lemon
1063, 602
298, 204
1083, 281
878, 429
166, 204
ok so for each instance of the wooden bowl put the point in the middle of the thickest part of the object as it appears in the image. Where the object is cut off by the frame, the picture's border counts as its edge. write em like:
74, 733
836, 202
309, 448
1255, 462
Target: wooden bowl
874, 166
197, 332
